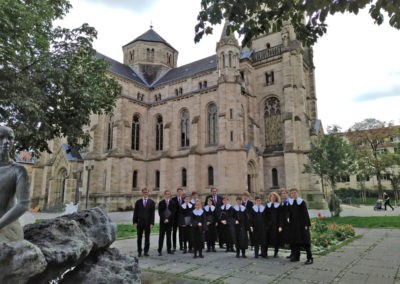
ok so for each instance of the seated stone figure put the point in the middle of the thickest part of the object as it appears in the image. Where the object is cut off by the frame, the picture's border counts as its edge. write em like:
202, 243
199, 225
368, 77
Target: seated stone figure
14, 189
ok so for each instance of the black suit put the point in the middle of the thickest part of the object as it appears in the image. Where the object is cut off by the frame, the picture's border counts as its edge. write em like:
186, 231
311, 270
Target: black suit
218, 211
175, 227
249, 206
144, 218
166, 213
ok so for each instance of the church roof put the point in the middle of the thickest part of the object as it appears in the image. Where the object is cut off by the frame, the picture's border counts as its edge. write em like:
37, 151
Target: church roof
71, 154
122, 69
202, 65
151, 36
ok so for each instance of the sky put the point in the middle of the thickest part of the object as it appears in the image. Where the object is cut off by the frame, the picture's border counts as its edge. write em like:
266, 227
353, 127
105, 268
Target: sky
357, 63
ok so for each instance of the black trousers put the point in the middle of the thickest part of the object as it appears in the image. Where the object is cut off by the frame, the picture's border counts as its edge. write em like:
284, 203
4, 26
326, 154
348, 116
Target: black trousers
165, 229
296, 250
177, 231
387, 203
140, 231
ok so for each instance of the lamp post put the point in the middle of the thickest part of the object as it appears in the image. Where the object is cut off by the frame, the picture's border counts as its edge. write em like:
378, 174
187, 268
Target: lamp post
89, 169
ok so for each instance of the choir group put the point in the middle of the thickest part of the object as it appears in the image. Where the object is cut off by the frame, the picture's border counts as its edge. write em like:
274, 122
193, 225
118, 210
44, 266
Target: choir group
282, 221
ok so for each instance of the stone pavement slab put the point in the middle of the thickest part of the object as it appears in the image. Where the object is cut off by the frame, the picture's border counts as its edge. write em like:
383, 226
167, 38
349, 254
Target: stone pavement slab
372, 258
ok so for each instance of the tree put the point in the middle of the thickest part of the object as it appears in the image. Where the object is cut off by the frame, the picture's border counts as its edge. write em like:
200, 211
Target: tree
253, 18
50, 78
392, 171
329, 158
369, 137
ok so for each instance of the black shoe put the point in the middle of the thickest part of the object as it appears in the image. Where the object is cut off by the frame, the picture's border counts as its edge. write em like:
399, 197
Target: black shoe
139, 254
244, 256
237, 255
201, 256
294, 259
264, 256
159, 253
213, 250
146, 254
309, 261
208, 249
170, 252
174, 249
184, 251
289, 256
190, 251
181, 248
256, 256
275, 255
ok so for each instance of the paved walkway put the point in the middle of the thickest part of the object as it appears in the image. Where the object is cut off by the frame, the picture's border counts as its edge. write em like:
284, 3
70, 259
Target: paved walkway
372, 258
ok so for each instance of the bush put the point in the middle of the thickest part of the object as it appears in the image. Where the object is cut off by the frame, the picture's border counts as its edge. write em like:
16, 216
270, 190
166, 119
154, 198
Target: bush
334, 205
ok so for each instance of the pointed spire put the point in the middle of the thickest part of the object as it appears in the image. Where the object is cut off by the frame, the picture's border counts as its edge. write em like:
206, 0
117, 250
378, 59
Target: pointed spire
227, 39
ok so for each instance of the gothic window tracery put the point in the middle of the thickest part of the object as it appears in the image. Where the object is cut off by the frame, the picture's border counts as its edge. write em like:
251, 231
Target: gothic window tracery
273, 123
110, 132
212, 124
159, 133
185, 129
135, 132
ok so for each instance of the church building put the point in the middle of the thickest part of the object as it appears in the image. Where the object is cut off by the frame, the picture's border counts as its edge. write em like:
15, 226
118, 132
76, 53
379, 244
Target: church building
240, 119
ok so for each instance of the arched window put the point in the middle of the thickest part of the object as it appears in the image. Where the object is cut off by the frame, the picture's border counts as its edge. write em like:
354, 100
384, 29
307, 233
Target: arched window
274, 177
185, 126
110, 132
157, 183
184, 178
210, 171
273, 123
223, 60
159, 133
212, 124
135, 132
230, 59
134, 180
200, 85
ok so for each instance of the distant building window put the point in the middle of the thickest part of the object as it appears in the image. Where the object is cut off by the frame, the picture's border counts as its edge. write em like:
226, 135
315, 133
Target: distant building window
205, 84
274, 177
176, 92
210, 175
231, 136
230, 59
110, 132
212, 124
386, 177
169, 58
135, 143
242, 75
361, 178
343, 178
268, 45
184, 177
180, 91
134, 180
200, 85
185, 129
269, 78
230, 113
273, 123
150, 54
157, 177
159, 133
132, 55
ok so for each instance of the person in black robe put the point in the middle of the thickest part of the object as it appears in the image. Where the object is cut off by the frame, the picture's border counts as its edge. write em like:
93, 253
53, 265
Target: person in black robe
217, 199
300, 227
211, 225
259, 228
246, 202
166, 211
273, 222
241, 225
178, 199
185, 222
198, 225
284, 217
226, 223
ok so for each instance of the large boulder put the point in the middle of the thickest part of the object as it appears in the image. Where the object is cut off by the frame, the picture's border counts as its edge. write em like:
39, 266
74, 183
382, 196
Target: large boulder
105, 267
67, 240
19, 261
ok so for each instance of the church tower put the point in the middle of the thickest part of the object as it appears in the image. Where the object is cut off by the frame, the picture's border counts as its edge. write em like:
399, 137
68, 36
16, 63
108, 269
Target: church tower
151, 55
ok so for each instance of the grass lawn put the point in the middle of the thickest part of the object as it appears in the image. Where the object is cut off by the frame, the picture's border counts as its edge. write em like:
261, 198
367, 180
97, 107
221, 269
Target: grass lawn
367, 222
126, 231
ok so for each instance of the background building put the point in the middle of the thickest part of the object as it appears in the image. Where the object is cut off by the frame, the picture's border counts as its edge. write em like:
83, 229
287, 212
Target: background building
241, 119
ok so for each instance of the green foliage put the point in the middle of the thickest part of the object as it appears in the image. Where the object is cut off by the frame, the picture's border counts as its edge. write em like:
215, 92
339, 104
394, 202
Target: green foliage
330, 157
334, 205
367, 222
50, 78
252, 18
125, 231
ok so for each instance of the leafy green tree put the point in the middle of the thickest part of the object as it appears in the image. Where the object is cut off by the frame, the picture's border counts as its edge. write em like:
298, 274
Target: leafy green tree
50, 78
252, 18
329, 158
369, 138
392, 171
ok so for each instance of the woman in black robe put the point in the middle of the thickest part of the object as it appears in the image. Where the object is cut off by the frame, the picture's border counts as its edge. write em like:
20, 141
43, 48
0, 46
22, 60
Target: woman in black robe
226, 222
211, 225
241, 226
273, 222
198, 226
185, 222
299, 227
258, 228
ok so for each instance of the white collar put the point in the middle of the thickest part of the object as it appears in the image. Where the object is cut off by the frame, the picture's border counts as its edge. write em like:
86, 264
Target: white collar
276, 204
298, 201
242, 208
227, 206
198, 212
255, 208
208, 208
189, 205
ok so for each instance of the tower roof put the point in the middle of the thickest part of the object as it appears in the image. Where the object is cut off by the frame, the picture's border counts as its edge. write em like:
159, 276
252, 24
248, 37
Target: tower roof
225, 39
151, 36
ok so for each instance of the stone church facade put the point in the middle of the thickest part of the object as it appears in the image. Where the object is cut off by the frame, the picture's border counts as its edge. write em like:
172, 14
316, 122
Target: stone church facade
240, 119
